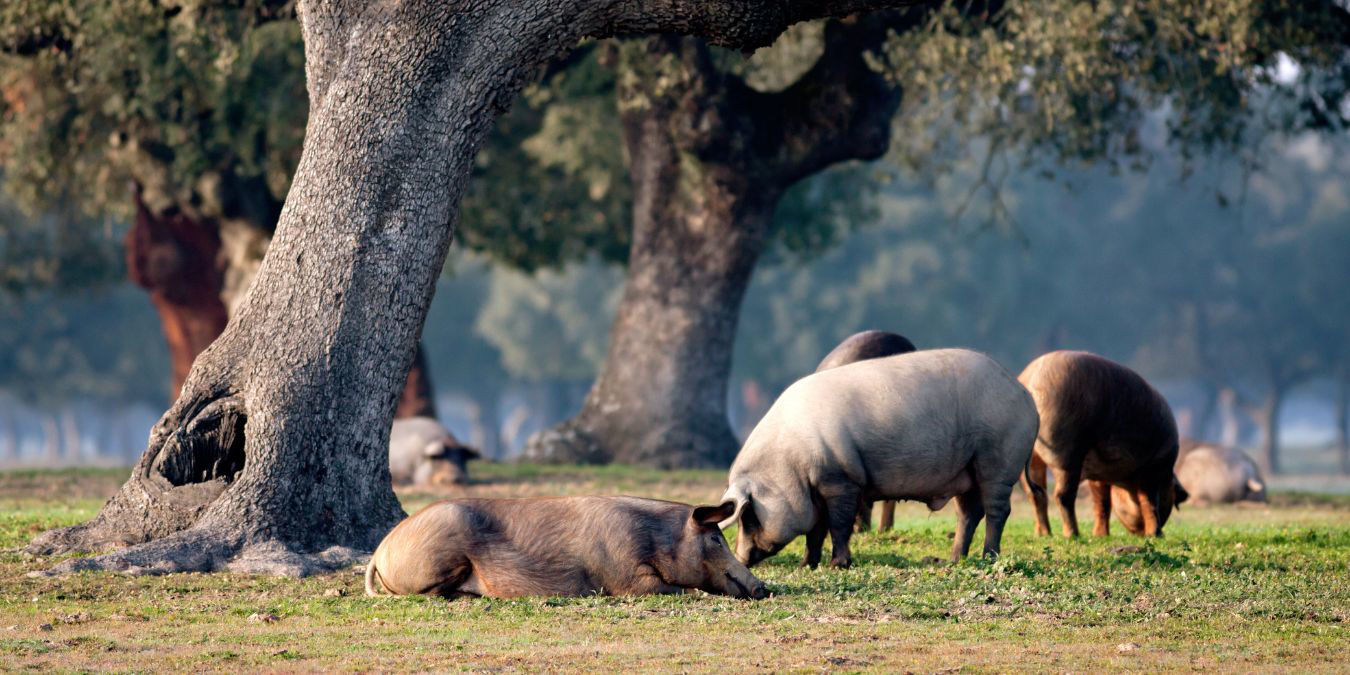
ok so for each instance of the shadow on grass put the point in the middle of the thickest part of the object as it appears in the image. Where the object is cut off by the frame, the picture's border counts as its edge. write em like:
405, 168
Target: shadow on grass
788, 561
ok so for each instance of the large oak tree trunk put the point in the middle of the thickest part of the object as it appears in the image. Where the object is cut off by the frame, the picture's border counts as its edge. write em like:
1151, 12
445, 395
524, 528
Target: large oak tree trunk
274, 456
698, 229
709, 159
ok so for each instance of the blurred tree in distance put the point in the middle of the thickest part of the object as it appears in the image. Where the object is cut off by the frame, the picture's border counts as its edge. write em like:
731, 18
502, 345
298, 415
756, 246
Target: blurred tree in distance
1065, 83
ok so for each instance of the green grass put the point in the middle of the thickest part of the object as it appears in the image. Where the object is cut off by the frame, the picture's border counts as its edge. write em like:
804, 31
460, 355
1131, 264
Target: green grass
1229, 589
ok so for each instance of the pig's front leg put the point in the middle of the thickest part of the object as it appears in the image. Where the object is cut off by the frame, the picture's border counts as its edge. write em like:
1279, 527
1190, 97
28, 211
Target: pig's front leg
815, 541
841, 507
648, 582
1101, 507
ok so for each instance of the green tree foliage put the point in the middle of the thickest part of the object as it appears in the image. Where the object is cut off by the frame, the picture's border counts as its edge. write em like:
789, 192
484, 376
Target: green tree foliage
544, 195
1076, 81
175, 96
204, 105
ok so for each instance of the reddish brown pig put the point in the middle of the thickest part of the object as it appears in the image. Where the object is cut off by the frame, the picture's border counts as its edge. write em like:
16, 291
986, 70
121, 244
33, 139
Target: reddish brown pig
1102, 422
868, 344
506, 548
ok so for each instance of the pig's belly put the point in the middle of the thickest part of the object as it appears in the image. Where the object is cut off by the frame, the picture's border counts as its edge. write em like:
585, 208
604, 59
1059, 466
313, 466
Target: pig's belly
933, 490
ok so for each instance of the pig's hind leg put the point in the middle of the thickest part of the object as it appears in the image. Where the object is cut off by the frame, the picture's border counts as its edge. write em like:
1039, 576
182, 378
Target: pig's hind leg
864, 516
887, 516
969, 511
1066, 493
841, 508
460, 581
1039, 503
995, 497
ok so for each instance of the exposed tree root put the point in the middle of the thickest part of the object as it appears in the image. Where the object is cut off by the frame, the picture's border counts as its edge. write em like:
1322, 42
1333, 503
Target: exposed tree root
274, 558
201, 499
566, 443
209, 550
196, 451
186, 551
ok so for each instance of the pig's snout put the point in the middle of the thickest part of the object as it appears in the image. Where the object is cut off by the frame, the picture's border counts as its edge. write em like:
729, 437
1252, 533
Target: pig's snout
446, 473
759, 591
753, 589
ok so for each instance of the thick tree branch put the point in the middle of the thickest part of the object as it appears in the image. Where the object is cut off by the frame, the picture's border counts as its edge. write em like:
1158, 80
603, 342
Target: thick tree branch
737, 24
841, 109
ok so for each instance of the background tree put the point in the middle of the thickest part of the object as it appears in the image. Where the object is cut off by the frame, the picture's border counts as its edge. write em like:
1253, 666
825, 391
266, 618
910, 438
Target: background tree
710, 157
187, 124
1073, 82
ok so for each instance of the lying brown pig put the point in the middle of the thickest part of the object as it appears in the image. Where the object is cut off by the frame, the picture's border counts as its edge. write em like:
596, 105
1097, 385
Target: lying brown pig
1214, 474
506, 548
1102, 422
869, 344
927, 426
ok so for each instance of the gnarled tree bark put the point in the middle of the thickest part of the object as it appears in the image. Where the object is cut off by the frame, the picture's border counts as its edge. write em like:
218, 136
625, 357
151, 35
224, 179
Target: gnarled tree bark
274, 456
710, 158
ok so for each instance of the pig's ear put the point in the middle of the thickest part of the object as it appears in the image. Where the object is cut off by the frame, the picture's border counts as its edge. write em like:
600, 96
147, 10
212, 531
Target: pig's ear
434, 449
710, 516
469, 453
1179, 493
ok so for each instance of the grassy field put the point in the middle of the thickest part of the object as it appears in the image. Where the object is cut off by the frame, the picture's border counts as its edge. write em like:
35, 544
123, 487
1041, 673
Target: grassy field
1229, 589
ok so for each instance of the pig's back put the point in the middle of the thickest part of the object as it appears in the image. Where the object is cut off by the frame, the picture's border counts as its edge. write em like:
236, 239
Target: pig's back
920, 411
1090, 404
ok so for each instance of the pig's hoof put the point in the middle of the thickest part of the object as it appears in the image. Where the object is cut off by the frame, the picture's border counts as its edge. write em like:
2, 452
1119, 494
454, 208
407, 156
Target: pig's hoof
842, 563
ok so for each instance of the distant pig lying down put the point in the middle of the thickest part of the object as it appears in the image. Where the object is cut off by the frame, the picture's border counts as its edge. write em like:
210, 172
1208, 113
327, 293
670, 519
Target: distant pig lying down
505, 548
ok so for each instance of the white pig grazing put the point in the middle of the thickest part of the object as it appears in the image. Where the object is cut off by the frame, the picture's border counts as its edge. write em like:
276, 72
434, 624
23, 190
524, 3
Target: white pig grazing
1215, 474
927, 426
